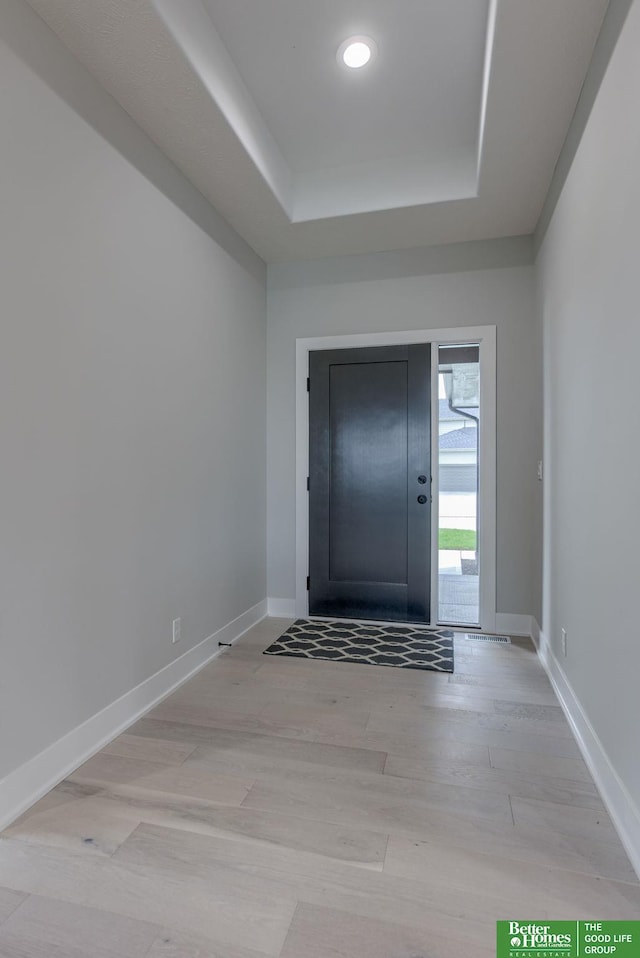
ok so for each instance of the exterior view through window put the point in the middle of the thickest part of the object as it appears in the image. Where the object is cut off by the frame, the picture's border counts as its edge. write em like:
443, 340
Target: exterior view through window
458, 431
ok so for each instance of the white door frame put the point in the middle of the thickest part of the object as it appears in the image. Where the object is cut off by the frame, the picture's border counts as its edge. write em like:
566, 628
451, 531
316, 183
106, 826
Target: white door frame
486, 337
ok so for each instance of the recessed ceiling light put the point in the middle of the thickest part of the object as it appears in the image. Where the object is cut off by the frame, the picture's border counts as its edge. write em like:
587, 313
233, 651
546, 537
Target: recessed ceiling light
356, 52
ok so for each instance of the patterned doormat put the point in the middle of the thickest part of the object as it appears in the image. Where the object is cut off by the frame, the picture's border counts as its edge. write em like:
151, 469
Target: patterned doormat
401, 646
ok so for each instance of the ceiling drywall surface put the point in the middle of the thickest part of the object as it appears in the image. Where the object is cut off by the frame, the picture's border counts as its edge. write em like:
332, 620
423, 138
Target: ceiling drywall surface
420, 96
306, 160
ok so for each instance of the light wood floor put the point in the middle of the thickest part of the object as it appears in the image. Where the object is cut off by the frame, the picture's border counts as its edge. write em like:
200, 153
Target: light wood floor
277, 806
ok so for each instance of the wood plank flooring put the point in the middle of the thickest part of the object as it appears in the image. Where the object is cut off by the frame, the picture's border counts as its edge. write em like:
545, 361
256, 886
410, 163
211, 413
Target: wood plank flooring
275, 806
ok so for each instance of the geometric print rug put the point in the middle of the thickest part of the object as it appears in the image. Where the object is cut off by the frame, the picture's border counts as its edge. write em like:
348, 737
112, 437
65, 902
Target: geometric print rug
400, 646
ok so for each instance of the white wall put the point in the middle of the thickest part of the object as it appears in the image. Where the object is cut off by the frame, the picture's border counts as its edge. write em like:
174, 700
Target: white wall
589, 294
460, 286
132, 384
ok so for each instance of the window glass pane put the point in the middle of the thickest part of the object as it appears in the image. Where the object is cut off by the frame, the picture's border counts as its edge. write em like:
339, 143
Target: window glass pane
458, 431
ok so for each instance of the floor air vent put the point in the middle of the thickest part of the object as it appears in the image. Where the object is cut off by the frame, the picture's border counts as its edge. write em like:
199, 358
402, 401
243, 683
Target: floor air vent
482, 637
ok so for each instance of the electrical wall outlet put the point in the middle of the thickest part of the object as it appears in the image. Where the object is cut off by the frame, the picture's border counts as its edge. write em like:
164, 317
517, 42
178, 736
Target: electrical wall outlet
177, 631
564, 642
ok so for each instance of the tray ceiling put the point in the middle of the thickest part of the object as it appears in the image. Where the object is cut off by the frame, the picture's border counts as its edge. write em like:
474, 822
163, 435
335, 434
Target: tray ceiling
450, 134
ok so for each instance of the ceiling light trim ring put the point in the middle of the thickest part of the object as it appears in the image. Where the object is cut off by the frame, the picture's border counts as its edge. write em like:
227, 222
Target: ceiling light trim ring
352, 52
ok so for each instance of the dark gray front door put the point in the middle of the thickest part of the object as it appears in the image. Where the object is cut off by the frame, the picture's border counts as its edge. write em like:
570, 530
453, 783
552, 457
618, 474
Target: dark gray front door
370, 483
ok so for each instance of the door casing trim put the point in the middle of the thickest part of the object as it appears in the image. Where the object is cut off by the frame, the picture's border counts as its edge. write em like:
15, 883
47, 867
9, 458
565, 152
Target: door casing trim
486, 337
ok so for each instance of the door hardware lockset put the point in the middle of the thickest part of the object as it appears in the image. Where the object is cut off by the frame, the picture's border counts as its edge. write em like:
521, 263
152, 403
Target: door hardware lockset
422, 500
422, 480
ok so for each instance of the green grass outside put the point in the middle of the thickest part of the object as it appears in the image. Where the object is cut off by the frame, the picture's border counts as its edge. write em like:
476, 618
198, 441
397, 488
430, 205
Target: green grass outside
462, 539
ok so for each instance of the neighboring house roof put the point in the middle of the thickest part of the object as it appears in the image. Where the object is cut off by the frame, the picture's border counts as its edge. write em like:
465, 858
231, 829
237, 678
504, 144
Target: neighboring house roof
466, 438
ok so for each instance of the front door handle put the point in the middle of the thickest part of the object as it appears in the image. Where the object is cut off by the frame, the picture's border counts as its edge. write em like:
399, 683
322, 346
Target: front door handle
422, 480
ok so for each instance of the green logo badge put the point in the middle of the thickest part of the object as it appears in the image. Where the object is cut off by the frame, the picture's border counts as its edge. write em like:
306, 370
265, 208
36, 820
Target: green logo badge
568, 939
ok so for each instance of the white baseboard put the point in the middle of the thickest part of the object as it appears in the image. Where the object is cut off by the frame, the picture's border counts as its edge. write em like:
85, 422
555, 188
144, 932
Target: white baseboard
28, 783
535, 631
509, 623
624, 813
282, 608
